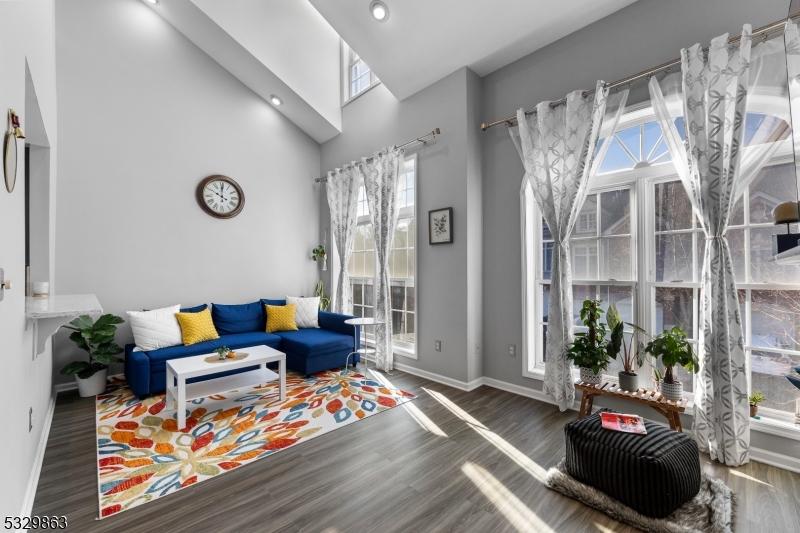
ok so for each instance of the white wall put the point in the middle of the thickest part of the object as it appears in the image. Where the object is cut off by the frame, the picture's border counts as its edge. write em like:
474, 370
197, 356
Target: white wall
448, 175
24, 383
146, 115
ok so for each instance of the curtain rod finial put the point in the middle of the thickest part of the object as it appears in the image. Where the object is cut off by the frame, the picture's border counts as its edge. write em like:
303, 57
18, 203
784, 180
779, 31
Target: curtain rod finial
484, 127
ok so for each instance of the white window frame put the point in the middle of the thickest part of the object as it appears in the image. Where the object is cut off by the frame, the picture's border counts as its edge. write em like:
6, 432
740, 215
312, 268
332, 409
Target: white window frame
348, 60
642, 182
402, 349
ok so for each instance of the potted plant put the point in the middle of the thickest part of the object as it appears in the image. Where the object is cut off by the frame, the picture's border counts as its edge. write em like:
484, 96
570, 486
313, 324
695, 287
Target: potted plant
589, 350
673, 348
632, 356
319, 253
96, 338
756, 398
222, 352
324, 302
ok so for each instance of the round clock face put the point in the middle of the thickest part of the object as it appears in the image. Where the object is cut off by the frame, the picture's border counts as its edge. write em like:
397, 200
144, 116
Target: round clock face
220, 196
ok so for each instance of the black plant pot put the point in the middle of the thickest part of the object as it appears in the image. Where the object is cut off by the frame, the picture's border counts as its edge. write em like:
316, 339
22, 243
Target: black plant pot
628, 382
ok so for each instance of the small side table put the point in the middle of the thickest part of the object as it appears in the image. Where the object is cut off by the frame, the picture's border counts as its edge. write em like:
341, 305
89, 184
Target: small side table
364, 323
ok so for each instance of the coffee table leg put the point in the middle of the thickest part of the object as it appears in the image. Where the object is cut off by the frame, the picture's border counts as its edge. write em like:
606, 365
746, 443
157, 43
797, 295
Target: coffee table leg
181, 403
282, 379
168, 399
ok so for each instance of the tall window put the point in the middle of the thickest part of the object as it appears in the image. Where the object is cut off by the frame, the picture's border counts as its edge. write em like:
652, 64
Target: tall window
357, 77
637, 243
402, 266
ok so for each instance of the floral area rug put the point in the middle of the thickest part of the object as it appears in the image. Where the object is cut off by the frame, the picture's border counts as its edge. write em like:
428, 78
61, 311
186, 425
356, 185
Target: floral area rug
142, 456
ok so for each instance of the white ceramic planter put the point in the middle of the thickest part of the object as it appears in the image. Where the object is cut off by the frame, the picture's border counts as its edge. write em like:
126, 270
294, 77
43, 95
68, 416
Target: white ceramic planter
94, 385
672, 391
588, 376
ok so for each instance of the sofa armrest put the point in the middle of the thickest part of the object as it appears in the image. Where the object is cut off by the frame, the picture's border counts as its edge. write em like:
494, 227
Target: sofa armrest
335, 322
137, 371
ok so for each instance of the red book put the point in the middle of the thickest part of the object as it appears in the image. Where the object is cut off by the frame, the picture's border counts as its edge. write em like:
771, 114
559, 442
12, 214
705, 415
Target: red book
623, 423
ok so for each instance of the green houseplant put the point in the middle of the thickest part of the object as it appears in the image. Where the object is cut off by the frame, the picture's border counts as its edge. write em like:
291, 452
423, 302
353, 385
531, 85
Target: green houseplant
97, 339
673, 348
756, 398
632, 355
324, 303
590, 351
319, 253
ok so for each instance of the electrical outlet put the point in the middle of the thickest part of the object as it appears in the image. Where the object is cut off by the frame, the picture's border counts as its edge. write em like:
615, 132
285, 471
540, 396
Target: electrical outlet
512, 350
477, 349
438, 346
30, 419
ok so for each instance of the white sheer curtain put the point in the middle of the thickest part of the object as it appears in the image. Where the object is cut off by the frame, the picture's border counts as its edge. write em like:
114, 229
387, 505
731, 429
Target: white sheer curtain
715, 167
342, 191
380, 181
557, 146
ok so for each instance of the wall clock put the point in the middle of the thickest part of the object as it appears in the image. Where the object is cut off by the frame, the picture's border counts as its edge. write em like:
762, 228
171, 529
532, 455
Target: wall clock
220, 196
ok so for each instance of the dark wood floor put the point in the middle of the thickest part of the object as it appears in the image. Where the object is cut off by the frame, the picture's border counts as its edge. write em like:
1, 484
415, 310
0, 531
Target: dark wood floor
472, 463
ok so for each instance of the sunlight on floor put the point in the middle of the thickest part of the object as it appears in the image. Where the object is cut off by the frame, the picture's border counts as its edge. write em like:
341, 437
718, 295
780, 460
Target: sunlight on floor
517, 513
424, 422
603, 529
514, 454
747, 477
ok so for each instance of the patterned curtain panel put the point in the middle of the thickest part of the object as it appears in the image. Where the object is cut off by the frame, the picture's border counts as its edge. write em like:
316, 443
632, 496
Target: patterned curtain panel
342, 191
557, 146
380, 182
712, 168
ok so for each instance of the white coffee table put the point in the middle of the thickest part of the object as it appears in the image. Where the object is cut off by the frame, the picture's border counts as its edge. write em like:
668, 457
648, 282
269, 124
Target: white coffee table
191, 367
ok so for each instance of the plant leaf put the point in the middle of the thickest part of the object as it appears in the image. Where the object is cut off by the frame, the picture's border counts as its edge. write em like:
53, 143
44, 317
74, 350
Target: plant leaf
82, 322
78, 339
75, 367
108, 320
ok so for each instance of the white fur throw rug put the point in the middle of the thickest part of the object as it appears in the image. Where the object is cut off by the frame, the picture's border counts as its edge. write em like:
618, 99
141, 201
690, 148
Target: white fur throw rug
713, 510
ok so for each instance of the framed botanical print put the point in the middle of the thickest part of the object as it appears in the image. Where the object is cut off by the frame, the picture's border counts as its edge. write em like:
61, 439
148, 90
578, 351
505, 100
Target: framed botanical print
440, 226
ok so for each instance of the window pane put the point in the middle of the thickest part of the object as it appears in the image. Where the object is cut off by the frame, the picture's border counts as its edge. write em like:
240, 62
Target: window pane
737, 215
546, 301
410, 298
673, 210
412, 232
359, 259
398, 324
616, 212
617, 260
674, 257
586, 225
411, 263
776, 319
652, 135
410, 327
351, 266
547, 260
736, 244
369, 264
761, 269
546, 235
368, 300
369, 237
622, 297
401, 234
630, 138
360, 234
772, 186
398, 300
368, 312
581, 293
400, 264
358, 292
544, 343
584, 258
674, 307
769, 370
616, 158
410, 197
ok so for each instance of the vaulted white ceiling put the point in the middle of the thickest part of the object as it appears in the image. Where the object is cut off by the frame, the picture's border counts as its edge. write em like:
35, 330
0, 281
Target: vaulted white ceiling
425, 40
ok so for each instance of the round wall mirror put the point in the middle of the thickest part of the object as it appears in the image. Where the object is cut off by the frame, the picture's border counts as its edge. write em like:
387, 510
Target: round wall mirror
10, 161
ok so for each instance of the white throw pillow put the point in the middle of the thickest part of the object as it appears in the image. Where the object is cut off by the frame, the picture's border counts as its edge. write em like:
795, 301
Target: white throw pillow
156, 329
306, 313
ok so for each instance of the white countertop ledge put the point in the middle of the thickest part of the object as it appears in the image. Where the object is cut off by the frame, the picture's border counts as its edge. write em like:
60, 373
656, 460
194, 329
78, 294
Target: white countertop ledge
62, 305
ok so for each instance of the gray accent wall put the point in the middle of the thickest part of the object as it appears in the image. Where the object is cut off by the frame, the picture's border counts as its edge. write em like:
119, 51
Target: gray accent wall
448, 175
644, 34
146, 115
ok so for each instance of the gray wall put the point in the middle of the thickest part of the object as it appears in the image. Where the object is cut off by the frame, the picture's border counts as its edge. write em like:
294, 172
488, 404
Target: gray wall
376, 119
646, 33
146, 116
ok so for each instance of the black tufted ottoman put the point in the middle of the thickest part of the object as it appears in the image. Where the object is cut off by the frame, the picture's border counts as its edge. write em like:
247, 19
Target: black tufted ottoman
653, 474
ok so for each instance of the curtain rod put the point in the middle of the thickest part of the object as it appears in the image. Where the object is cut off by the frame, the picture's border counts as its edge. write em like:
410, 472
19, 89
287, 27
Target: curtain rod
422, 140
762, 32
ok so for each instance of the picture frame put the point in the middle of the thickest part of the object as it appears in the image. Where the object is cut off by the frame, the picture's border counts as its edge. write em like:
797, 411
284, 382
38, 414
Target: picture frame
440, 226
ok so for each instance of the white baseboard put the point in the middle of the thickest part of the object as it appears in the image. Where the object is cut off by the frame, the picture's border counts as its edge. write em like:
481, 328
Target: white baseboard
444, 380
775, 459
33, 481
63, 387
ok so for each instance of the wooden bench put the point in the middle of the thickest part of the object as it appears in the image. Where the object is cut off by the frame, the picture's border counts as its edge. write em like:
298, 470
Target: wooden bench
667, 408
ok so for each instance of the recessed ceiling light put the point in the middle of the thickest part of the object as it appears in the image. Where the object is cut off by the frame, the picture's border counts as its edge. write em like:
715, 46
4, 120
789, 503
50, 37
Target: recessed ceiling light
152, 1
379, 10
275, 100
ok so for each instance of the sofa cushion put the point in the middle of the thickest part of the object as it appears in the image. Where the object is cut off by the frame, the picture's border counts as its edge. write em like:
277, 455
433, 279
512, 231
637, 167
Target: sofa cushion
267, 301
155, 329
195, 309
314, 342
306, 312
231, 319
159, 358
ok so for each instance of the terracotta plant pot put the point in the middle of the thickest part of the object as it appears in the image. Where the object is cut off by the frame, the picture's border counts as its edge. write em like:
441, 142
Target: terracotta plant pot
628, 382
753, 410
672, 391
92, 386
588, 376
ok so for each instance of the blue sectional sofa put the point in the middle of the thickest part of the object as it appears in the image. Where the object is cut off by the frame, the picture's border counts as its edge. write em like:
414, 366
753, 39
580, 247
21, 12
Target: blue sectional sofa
308, 351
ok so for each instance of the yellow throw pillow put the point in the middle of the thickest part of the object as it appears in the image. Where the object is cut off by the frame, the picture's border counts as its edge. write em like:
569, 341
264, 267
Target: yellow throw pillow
281, 318
197, 327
